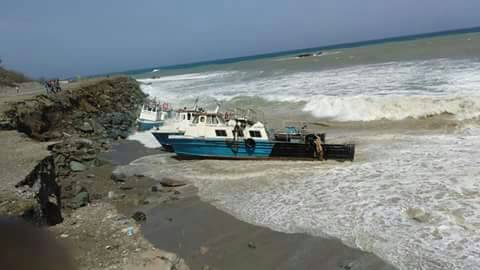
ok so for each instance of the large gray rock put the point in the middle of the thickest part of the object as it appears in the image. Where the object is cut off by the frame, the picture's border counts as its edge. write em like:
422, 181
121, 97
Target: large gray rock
77, 166
169, 182
80, 200
86, 127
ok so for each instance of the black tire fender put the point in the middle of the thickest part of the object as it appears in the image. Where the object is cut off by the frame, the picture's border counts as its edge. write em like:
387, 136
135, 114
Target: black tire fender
250, 143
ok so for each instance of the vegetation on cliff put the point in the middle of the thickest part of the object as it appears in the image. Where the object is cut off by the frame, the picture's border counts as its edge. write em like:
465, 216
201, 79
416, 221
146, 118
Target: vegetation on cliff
11, 78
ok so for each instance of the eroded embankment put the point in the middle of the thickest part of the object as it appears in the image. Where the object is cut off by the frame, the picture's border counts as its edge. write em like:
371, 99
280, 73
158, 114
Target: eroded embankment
81, 121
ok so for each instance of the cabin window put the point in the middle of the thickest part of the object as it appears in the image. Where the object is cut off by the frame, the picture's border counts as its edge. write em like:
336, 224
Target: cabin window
183, 116
202, 119
255, 134
221, 133
195, 120
189, 116
240, 133
212, 119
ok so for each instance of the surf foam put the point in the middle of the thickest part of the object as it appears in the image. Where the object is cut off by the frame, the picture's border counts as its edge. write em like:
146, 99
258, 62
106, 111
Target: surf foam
392, 91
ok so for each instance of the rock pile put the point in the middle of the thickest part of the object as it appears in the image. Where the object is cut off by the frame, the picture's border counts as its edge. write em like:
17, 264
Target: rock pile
104, 108
85, 119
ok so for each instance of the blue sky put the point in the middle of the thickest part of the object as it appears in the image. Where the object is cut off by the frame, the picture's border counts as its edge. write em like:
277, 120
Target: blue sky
68, 38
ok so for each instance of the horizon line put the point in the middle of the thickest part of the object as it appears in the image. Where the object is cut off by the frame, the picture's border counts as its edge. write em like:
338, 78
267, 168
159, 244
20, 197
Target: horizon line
354, 44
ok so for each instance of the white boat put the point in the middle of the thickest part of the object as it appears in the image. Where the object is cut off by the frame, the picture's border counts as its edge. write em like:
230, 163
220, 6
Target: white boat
153, 115
175, 125
212, 136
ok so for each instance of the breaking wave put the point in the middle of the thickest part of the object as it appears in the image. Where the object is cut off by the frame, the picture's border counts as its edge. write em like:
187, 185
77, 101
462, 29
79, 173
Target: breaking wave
386, 91
370, 108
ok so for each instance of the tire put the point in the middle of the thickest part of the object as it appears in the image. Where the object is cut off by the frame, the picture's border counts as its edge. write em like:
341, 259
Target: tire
250, 143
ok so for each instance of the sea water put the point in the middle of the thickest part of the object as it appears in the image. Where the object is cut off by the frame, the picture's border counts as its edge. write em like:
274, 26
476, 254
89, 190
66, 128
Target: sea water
412, 195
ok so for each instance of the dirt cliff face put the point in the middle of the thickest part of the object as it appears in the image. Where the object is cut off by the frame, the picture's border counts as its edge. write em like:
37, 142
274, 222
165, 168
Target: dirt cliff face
99, 108
83, 120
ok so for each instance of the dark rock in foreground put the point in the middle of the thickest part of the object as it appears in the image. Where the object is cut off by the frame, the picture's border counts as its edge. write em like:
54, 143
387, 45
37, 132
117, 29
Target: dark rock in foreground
139, 216
169, 182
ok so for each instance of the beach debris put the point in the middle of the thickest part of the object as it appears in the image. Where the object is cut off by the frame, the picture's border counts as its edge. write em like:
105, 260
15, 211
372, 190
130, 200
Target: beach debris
169, 182
126, 187
347, 266
118, 176
251, 245
417, 214
64, 235
112, 195
139, 216
130, 231
6, 125
203, 250
156, 188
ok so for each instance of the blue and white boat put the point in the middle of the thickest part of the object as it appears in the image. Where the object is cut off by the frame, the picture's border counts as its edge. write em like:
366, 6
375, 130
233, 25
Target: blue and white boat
211, 136
176, 125
153, 115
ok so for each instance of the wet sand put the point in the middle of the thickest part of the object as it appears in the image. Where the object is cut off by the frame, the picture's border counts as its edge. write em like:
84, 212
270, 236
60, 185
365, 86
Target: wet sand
207, 237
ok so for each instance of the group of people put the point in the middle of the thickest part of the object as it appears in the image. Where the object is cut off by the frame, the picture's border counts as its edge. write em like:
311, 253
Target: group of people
53, 86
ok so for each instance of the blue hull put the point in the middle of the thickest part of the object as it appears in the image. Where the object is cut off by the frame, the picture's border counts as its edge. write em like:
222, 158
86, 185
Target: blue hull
221, 149
162, 138
148, 125
227, 149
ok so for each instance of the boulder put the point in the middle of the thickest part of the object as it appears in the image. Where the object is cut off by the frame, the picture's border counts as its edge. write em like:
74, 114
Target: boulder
86, 127
118, 176
139, 216
169, 182
77, 166
80, 200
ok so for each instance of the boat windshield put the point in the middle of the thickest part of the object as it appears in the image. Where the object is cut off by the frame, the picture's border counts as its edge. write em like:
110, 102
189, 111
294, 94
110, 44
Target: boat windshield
210, 119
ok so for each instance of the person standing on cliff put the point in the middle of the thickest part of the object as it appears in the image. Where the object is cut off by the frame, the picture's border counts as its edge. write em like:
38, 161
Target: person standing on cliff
47, 87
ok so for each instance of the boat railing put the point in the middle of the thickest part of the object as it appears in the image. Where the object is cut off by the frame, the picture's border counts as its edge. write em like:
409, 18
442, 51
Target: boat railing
293, 132
249, 115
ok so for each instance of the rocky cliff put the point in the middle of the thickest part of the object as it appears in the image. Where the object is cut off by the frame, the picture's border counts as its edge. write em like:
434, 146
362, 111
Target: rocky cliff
82, 120
102, 108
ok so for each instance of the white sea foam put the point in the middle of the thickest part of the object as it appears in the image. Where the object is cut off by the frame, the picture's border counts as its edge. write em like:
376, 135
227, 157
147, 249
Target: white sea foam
368, 108
146, 138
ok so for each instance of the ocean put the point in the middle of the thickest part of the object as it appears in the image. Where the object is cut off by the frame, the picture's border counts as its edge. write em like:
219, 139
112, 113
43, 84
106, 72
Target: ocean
412, 108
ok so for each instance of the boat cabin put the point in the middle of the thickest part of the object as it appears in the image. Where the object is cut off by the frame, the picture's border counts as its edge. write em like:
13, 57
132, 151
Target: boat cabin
153, 112
214, 126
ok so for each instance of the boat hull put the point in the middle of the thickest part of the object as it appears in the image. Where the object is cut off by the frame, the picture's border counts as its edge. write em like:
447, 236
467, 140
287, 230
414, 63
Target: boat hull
162, 138
143, 125
220, 149
228, 149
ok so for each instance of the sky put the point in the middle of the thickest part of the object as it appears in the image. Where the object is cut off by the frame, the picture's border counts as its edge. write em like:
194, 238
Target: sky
64, 38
